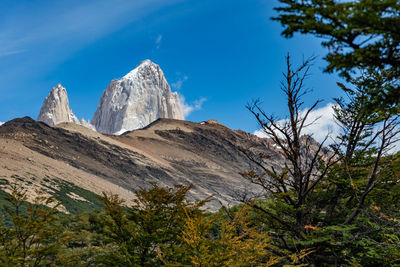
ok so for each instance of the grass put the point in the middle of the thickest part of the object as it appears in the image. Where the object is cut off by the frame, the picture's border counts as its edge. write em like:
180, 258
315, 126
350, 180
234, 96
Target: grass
60, 190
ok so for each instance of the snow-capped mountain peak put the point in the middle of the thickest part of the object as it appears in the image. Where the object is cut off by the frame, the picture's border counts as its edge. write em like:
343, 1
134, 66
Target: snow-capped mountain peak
143, 70
136, 100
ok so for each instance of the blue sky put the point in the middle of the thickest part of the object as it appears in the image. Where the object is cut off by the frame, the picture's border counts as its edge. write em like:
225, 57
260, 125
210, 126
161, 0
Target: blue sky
219, 55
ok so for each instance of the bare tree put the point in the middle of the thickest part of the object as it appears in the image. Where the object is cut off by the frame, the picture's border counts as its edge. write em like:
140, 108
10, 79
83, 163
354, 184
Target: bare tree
304, 167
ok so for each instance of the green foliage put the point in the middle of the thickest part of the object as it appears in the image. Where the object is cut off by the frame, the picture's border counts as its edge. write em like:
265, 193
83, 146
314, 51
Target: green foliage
362, 37
34, 239
151, 226
360, 34
237, 243
161, 227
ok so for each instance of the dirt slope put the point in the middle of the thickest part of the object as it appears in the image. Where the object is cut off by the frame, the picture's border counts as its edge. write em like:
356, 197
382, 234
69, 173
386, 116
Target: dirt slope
167, 152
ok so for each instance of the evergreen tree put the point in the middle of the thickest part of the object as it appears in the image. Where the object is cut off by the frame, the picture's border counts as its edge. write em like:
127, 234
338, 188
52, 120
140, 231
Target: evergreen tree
363, 38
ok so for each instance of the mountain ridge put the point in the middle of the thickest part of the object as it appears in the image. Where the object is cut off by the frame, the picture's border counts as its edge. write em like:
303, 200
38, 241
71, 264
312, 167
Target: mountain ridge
167, 152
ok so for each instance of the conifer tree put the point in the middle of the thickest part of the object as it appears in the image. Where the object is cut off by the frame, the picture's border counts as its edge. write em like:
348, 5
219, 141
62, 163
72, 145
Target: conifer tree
363, 37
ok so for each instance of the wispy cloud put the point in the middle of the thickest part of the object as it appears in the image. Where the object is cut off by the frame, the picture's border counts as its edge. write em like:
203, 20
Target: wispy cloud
11, 52
321, 123
178, 84
158, 41
71, 25
188, 108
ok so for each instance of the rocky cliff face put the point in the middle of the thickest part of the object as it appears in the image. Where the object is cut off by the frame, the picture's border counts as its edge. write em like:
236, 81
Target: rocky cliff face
55, 108
137, 99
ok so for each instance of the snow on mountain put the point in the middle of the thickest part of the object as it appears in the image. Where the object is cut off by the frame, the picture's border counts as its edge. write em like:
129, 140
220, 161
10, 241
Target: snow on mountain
1, 123
55, 108
136, 100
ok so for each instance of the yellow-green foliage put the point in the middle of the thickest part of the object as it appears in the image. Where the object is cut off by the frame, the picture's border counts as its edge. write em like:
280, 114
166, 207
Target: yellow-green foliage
35, 238
236, 244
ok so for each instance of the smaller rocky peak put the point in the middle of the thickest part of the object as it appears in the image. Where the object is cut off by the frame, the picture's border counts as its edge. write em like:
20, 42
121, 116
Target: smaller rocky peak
55, 108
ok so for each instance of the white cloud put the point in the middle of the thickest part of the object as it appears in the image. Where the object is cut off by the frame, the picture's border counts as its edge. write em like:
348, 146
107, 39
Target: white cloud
178, 84
189, 108
322, 123
1, 123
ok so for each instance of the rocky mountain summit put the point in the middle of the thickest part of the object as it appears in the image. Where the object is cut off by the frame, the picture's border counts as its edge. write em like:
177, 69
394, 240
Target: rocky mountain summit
55, 108
136, 100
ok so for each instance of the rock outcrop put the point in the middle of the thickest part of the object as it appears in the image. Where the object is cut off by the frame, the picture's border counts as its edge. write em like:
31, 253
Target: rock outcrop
55, 108
136, 100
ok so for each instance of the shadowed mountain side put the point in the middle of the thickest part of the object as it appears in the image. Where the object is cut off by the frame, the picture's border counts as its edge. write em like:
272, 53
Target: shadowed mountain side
95, 156
168, 152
